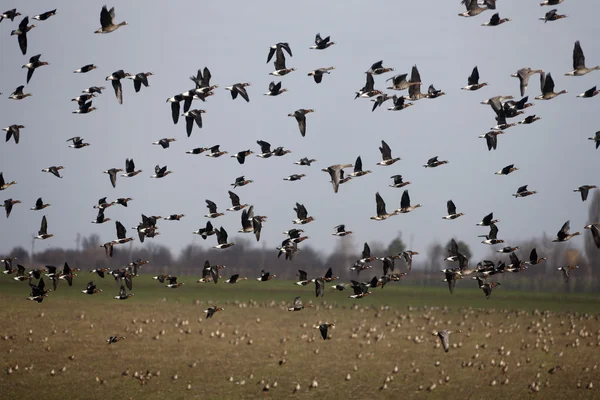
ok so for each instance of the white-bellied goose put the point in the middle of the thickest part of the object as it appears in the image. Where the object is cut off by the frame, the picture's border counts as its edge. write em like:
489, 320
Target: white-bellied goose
43, 232
399, 103
94, 89
473, 8
3, 184
175, 106
553, 15
324, 329
280, 68
523, 192
84, 108
247, 216
265, 149
341, 231
534, 259
215, 152
85, 68
507, 170
222, 239
386, 155
44, 16
241, 155
139, 80
579, 67
282, 45
358, 171
14, 132
10, 14
100, 219
547, 87
302, 215
495, 20
174, 217
584, 191
241, 181
491, 139
433, 162
275, 89
298, 305
197, 150
34, 62
382, 214
115, 79
567, 271
107, 20
306, 161
160, 172
112, 174
21, 34
473, 81
318, 73
239, 88
205, 232
8, 205
18, 94
164, 142
378, 68
54, 170
121, 234
130, 170
210, 311
452, 214
492, 237
212, 209
379, 100
398, 182
488, 220
294, 177
235, 202
300, 116
102, 203
321, 43
486, 287
368, 88
589, 93
563, 235
39, 205
414, 90
433, 93
190, 117
122, 201
123, 295
530, 119
38, 292
91, 289
551, 2
524, 74
405, 206
77, 142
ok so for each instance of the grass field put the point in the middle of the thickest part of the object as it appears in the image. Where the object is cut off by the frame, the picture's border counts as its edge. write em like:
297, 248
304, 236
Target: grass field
508, 344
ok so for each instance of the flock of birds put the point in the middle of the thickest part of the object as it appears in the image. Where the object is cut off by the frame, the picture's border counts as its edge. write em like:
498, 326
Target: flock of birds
504, 107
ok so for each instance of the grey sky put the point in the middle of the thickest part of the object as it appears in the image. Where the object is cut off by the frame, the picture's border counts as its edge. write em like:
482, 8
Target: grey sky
232, 39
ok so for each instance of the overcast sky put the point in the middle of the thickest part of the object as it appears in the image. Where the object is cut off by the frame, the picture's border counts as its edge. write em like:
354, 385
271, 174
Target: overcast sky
232, 39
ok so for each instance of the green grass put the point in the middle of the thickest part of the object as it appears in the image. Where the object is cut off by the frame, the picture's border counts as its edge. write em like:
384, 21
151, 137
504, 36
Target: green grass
166, 331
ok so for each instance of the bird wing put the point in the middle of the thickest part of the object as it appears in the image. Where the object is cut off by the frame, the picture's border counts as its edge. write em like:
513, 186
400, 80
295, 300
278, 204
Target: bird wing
405, 200
451, 207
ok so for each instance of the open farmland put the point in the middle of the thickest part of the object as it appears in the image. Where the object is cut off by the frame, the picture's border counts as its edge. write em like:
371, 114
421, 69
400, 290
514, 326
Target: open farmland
381, 346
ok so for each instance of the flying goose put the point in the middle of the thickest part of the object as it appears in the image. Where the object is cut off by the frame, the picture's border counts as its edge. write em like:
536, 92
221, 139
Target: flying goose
239, 88
563, 235
589, 93
399, 103
399, 82
280, 68
579, 67
18, 94
507, 170
300, 116
335, 172
398, 182
318, 73
115, 79
21, 34
139, 80
43, 232
473, 8
473, 81
107, 20
386, 155
14, 132
405, 206
381, 212
523, 192
495, 20
433, 162
452, 211
44, 16
112, 174
275, 89
552, 15
584, 190
321, 43
34, 62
